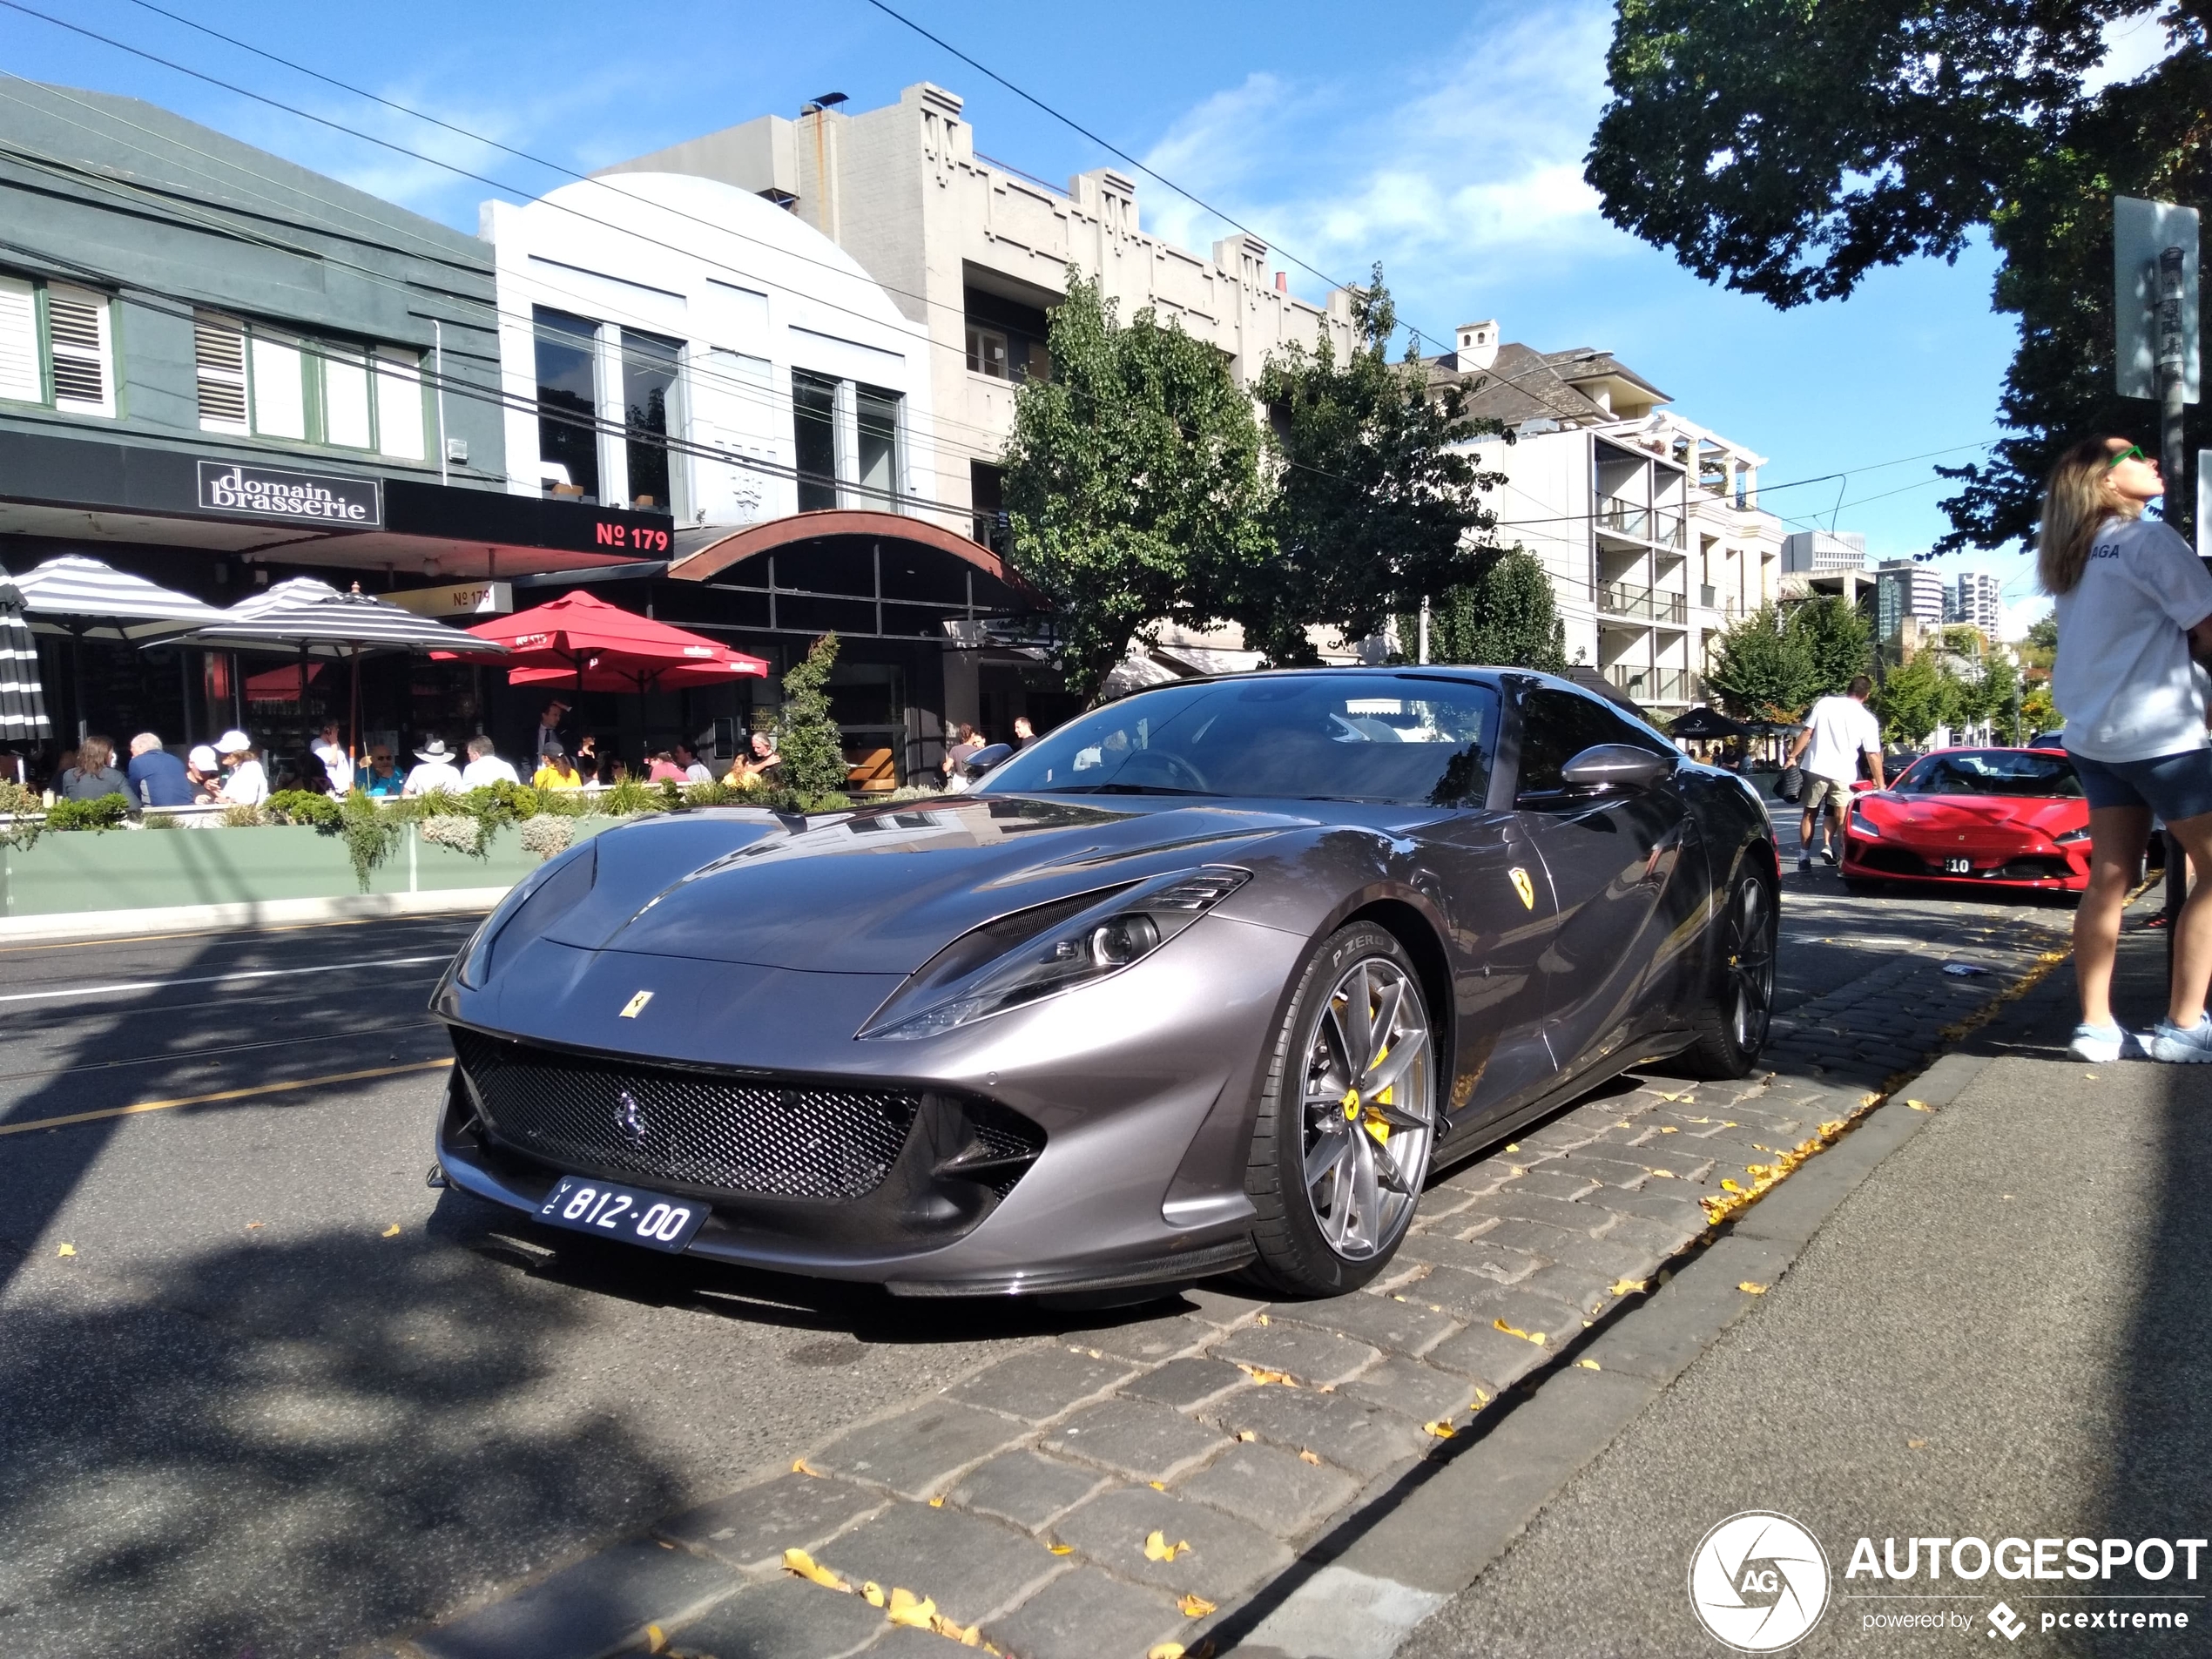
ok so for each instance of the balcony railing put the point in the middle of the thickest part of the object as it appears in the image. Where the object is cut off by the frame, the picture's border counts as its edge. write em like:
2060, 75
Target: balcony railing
1667, 529
1619, 600
1651, 686
1622, 519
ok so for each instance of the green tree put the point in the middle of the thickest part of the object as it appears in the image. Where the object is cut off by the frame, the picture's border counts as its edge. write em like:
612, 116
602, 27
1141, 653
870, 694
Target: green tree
1997, 697
806, 736
1916, 697
1837, 639
1761, 669
1504, 618
1788, 149
1372, 505
1132, 481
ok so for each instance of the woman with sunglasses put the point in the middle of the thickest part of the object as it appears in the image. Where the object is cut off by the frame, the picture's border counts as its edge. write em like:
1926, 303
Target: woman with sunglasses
2135, 609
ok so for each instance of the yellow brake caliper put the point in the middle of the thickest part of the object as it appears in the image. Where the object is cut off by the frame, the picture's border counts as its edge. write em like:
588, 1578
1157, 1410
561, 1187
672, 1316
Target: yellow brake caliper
1375, 1123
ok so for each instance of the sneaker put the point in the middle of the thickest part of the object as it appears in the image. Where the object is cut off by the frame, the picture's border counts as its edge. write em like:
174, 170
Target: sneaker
2177, 1047
1828, 855
2098, 1044
1805, 864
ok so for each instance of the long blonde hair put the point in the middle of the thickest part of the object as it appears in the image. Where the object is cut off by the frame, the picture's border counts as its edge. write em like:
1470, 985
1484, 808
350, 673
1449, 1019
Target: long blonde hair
2078, 496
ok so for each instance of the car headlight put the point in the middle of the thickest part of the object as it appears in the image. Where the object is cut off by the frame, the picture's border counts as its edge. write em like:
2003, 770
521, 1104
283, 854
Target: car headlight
1863, 825
2072, 836
1042, 951
537, 901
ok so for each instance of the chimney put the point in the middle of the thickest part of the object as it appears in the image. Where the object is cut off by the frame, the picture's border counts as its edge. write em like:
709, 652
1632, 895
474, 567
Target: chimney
1478, 344
1282, 282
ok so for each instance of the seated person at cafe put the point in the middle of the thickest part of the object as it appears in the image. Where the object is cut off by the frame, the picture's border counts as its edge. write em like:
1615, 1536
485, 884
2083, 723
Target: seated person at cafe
157, 777
695, 770
435, 772
661, 766
762, 760
94, 774
554, 769
378, 776
484, 766
245, 783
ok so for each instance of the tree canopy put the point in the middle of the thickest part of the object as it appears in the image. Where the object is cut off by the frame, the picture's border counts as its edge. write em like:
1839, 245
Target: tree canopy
1371, 507
1132, 481
1761, 669
1504, 618
807, 737
1787, 149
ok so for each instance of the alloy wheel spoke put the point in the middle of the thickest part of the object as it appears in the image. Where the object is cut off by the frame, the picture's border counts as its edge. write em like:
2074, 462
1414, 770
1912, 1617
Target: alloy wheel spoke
1387, 1170
1327, 1148
1341, 1205
1396, 1117
1359, 1025
1383, 1032
1391, 1070
1338, 1041
1367, 1201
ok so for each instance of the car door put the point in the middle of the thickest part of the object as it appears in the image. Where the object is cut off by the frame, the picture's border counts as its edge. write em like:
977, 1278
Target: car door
1627, 875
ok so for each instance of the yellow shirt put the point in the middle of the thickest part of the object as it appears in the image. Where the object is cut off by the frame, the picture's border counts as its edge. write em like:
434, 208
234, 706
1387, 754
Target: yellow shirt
556, 778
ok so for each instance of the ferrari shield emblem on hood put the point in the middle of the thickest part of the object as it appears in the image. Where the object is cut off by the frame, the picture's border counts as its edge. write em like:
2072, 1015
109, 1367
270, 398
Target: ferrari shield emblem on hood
1522, 886
636, 1006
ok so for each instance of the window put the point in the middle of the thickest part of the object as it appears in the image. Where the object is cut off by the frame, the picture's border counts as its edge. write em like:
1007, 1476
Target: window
1993, 771
987, 353
649, 366
255, 378
878, 456
813, 405
1555, 727
568, 404
58, 353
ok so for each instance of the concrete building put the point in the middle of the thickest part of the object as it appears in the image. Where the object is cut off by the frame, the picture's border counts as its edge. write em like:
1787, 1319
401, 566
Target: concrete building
1648, 523
1906, 589
1975, 599
1815, 563
973, 251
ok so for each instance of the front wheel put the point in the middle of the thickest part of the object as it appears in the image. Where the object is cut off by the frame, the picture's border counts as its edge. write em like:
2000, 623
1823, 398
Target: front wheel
1347, 1119
1731, 1027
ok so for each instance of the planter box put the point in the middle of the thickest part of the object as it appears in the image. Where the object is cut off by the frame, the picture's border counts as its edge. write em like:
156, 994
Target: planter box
72, 871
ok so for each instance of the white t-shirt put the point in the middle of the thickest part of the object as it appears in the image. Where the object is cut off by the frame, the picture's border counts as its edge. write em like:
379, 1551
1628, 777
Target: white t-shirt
1842, 729
429, 775
491, 769
698, 772
335, 763
247, 786
2123, 678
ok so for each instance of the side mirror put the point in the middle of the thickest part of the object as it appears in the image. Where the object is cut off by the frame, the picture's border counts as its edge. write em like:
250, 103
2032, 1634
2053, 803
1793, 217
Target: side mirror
983, 759
1615, 765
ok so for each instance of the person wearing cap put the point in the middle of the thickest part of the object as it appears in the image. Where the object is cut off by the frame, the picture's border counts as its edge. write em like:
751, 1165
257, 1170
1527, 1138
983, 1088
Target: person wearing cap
554, 771
484, 766
204, 772
436, 770
378, 776
244, 782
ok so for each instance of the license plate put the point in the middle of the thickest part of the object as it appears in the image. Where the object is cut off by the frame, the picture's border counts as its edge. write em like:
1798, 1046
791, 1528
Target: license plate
1958, 866
607, 1210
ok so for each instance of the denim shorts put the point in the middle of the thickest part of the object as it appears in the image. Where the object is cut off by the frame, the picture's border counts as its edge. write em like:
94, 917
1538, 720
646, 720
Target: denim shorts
2173, 786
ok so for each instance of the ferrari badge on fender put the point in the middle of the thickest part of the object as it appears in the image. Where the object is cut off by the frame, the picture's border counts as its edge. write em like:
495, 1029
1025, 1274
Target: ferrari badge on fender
1522, 886
636, 1006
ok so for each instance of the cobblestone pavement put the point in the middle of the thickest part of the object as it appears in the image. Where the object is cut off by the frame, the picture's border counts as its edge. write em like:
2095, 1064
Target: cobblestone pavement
1102, 1493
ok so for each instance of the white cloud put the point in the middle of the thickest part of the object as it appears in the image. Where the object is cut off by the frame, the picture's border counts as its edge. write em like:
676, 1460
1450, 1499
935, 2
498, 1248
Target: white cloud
2132, 45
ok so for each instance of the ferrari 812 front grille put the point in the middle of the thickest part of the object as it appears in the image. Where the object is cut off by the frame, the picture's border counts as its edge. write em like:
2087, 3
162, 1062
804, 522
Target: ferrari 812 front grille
603, 1115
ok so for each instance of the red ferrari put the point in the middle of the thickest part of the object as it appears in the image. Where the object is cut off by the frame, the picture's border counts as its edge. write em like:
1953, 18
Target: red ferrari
2008, 818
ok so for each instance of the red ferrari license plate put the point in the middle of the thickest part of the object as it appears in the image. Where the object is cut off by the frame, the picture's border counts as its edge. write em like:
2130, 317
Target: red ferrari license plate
1958, 866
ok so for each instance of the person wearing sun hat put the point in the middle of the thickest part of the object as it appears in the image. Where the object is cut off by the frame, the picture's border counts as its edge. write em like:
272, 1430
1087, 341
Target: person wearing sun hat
245, 784
436, 772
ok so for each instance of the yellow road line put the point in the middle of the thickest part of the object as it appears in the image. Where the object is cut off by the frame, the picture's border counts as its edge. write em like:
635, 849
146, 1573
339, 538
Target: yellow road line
227, 1093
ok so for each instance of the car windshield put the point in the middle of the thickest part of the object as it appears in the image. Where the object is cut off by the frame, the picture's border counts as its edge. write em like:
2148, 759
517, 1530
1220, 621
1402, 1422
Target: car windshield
1329, 735
1993, 771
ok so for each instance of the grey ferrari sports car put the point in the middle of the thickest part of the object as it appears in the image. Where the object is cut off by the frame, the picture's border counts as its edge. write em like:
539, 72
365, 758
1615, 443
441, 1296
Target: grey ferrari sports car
1211, 979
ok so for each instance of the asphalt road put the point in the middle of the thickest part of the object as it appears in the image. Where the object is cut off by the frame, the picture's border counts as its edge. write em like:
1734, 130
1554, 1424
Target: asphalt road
2003, 1333
243, 1414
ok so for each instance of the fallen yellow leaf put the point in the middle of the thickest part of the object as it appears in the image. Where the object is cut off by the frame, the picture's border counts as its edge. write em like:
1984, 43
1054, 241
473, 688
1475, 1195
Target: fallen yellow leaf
1515, 1147
799, 1562
1917, 1446
906, 1609
1480, 1400
1060, 1550
1749, 1289
872, 1593
1588, 1365
1157, 1485
1920, 1105
1157, 1548
1536, 1336
392, 1231
1094, 1354
1395, 1296
1262, 1376
1627, 1286
1195, 1607
66, 1250
1669, 1129
1165, 1650
1664, 1175
1246, 1434
1442, 1430
800, 1465
1730, 1186
1263, 1319
655, 1638
1307, 1457
937, 1502
253, 1225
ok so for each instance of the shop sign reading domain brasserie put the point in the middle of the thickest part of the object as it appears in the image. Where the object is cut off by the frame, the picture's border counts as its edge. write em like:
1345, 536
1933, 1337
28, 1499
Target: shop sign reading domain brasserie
270, 492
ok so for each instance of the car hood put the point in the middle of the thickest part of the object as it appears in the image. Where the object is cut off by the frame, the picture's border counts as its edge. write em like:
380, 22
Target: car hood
884, 889
1970, 814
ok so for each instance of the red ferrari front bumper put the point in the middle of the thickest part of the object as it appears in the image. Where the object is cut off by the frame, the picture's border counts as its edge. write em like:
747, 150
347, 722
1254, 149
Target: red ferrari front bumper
2028, 863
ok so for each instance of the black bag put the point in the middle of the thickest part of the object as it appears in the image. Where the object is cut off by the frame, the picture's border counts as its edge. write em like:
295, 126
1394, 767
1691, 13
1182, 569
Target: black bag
1792, 784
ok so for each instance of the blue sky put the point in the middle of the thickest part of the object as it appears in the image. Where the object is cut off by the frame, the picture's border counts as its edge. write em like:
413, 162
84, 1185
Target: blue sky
1445, 141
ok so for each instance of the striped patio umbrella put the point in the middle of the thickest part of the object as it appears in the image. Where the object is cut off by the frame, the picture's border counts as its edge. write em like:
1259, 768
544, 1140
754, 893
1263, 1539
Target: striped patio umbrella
22, 700
84, 599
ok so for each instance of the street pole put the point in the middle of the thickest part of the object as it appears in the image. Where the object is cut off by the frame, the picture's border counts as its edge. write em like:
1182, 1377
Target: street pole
1424, 649
2171, 375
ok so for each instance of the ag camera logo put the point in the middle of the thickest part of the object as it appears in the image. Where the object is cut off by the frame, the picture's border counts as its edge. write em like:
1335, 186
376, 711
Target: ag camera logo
1759, 1581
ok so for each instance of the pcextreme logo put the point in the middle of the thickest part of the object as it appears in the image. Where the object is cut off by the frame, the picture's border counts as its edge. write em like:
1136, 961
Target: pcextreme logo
1759, 1581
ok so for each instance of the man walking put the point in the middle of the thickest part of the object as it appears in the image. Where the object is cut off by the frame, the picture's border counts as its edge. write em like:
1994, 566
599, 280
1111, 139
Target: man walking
1837, 730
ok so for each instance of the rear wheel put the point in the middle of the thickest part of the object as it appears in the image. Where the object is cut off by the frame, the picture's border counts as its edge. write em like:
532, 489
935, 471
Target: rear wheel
1731, 1027
1346, 1120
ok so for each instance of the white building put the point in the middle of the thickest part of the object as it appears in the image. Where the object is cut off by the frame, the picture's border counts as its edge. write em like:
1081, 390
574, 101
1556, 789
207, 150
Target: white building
683, 308
1650, 524
1976, 600
1906, 589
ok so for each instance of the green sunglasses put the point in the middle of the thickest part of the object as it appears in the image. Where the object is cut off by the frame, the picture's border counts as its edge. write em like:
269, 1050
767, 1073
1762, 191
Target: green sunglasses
2130, 450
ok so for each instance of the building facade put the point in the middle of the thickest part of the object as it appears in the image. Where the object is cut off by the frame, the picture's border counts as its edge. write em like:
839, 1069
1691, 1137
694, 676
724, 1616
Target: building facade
1905, 590
1649, 524
1975, 599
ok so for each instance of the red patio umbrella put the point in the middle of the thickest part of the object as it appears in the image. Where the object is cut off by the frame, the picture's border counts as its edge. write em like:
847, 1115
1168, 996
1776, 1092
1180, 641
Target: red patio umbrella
596, 646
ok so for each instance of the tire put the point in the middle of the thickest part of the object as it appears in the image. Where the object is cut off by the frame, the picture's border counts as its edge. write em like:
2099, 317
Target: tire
1732, 1026
1329, 1222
